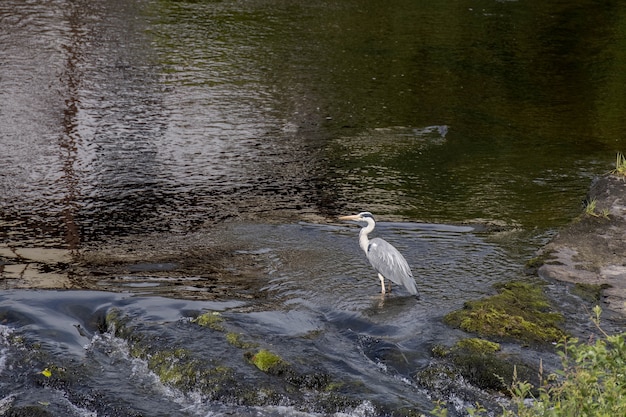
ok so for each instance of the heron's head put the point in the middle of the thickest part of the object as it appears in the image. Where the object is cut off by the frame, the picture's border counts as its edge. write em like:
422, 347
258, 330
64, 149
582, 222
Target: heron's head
361, 217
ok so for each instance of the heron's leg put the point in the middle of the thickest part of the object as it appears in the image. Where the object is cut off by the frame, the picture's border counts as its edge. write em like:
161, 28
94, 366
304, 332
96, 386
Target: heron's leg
382, 283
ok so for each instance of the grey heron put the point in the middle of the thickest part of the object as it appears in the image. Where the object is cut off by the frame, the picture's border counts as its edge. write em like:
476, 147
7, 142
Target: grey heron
386, 259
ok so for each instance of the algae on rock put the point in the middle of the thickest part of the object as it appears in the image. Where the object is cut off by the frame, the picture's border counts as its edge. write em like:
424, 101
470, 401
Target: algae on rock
212, 320
519, 311
266, 361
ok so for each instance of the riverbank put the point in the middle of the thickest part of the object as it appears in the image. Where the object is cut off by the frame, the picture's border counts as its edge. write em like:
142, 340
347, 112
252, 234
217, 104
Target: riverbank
591, 251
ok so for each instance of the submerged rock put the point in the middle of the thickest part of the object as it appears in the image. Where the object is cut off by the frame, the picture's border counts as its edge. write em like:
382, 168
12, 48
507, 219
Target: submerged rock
233, 375
479, 362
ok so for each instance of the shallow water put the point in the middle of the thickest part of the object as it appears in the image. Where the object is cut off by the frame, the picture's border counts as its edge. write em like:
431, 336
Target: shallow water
319, 308
232, 134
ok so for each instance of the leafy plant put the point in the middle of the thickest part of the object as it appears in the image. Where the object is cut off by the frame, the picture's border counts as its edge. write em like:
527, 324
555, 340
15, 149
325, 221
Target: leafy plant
592, 381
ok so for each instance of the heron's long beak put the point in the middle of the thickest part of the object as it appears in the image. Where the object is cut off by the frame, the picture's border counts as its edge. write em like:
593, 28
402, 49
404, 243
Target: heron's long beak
352, 217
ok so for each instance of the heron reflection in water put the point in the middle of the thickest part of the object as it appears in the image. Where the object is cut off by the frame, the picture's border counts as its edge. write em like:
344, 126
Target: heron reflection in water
386, 259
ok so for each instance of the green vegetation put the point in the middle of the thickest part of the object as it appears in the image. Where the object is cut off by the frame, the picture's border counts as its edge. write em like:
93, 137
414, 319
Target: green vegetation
477, 345
212, 320
266, 361
172, 367
178, 368
591, 382
533, 264
620, 165
520, 311
479, 362
590, 209
589, 292
235, 340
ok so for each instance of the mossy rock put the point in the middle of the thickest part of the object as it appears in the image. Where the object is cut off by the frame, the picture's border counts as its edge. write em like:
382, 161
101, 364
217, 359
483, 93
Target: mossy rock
267, 361
183, 369
476, 345
272, 364
520, 311
212, 319
119, 324
489, 370
533, 264
318, 381
173, 367
589, 292
480, 363
180, 369
116, 322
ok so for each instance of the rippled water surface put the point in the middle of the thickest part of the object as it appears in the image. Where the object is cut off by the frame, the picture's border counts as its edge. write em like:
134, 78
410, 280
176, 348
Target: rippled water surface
226, 136
132, 116
320, 310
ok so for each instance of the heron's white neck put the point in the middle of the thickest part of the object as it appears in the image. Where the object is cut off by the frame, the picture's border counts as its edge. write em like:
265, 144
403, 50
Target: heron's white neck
363, 240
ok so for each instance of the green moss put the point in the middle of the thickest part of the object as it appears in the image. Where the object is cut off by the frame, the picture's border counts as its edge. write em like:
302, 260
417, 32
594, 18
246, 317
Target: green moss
533, 264
235, 339
112, 320
588, 383
440, 351
212, 320
477, 345
520, 311
266, 361
15, 339
260, 396
173, 366
491, 371
117, 323
589, 292
479, 361
178, 368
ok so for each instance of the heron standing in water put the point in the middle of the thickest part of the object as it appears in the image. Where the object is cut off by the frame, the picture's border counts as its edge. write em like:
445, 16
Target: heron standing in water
386, 260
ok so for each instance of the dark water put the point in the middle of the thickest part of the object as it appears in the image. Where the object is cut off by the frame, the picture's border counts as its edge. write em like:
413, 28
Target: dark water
133, 116
256, 123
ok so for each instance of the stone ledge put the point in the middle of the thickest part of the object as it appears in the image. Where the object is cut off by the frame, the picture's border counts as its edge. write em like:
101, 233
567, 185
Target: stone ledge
592, 249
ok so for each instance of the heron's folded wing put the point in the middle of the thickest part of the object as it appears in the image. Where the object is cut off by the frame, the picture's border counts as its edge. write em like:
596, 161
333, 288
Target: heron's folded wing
391, 264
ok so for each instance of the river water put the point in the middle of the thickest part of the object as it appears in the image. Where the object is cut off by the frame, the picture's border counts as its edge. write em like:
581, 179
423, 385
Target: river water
195, 154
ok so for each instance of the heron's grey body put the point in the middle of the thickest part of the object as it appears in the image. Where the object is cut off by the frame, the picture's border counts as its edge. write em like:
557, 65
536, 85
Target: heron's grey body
386, 259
